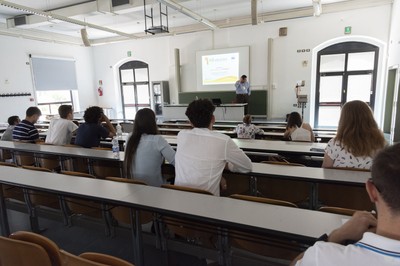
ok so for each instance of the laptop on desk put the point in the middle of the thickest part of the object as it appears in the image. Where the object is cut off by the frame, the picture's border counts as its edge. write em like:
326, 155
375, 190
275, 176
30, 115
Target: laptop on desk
216, 101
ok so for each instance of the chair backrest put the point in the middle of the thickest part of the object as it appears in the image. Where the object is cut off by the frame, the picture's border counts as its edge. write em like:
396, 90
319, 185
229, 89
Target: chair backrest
73, 173
283, 163
187, 189
8, 164
126, 180
350, 169
264, 200
127, 127
21, 253
36, 168
105, 259
337, 210
73, 260
51, 248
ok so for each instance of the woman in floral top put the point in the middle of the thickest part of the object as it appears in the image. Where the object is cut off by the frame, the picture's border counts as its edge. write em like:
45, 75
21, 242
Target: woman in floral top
358, 138
247, 130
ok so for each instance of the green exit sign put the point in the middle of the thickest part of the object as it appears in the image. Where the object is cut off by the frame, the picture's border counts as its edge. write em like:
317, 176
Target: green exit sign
347, 30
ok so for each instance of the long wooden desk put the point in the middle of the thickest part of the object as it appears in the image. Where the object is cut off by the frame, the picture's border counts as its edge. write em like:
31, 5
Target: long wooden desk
287, 223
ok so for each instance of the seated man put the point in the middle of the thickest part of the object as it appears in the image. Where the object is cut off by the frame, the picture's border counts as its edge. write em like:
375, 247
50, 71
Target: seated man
89, 134
12, 122
378, 240
61, 129
202, 154
26, 131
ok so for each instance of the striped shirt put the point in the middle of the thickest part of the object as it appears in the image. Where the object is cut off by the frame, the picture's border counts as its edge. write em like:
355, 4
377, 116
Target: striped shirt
25, 131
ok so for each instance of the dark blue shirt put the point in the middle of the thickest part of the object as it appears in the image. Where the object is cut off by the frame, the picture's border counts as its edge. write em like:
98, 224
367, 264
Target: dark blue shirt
89, 135
25, 131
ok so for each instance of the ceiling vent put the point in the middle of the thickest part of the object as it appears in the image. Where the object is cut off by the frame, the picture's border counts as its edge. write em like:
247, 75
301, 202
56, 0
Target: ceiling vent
115, 3
20, 20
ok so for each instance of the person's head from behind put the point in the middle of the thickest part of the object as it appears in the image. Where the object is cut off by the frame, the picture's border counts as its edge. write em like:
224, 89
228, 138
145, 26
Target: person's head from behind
294, 120
65, 111
385, 179
357, 124
13, 120
247, 119
93, 115
200, 113
243, 78
145, 122
32, 114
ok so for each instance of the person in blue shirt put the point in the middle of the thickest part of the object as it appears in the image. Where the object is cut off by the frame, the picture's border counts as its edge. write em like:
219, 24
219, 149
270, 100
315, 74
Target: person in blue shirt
90, 133
243, 91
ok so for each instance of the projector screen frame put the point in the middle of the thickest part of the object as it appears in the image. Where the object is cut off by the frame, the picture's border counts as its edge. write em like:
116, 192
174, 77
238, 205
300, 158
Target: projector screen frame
244, 67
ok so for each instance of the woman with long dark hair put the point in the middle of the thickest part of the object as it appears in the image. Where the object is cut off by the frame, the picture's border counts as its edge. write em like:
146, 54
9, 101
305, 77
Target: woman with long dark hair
145, 151
297, 130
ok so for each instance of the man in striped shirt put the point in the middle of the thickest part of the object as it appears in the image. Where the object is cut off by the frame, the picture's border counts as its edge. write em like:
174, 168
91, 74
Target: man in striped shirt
26, 131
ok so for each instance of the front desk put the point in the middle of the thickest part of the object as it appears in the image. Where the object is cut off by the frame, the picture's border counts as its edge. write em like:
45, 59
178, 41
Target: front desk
223, 112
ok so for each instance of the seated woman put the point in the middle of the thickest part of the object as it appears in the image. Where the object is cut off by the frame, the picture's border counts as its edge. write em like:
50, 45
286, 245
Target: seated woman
358, 138
247, 130
146, 150
296, 130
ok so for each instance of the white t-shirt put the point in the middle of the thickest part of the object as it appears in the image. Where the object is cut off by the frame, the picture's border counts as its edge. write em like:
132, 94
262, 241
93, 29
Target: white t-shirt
372, 249
342, 158
60, 131
201, 157
301, 134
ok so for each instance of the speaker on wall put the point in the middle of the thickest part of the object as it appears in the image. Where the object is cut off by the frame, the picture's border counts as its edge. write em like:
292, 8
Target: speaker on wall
85, 38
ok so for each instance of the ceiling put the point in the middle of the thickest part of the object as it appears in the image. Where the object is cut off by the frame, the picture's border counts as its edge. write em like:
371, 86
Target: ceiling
105, 22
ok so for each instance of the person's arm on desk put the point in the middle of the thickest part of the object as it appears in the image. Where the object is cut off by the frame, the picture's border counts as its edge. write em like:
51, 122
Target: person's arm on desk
236, 159
112, 131
353, 230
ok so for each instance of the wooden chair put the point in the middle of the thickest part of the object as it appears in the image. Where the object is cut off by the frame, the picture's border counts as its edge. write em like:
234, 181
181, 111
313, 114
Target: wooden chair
127, 127
190, 231
123, 214
86, 207
36, 199
264, 200
337, 210
5, 155
105, 259
49, 246
51, 162
77, 164
24, 158
268, 246
294, 191
12, 192
57, 256
104, 168
345, 196
21, 253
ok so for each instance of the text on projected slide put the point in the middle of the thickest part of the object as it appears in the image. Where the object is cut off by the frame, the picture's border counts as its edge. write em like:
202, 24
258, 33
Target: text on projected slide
220, 68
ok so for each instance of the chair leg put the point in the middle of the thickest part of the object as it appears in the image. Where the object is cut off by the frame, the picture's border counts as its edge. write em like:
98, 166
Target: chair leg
33, 219
64, 210
106, 220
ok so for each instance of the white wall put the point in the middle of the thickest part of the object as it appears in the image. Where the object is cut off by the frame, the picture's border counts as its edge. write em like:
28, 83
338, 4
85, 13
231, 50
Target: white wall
15, 72
394, 43
303, 33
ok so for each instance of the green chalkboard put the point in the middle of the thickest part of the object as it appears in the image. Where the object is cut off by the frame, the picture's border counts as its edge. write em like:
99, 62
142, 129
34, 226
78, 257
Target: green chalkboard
257, 101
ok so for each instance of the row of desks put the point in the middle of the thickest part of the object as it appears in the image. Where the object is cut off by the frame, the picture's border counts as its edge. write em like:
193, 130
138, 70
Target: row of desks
287, 223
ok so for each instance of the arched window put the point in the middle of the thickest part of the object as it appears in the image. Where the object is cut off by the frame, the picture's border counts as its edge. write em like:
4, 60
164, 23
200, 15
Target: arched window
346, 71
135, 87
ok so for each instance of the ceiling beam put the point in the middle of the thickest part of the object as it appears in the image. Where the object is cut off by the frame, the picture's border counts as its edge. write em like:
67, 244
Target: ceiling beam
254, 20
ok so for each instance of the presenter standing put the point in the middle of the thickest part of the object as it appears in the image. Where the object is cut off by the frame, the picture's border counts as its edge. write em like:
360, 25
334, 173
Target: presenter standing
243, 91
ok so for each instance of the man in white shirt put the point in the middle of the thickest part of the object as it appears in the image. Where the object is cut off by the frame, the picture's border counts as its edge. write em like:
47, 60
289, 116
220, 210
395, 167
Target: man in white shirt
377, 241
61, 129
203, 154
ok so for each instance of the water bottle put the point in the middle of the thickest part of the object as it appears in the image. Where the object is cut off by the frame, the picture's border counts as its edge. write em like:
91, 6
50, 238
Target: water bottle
119, 130
115, 147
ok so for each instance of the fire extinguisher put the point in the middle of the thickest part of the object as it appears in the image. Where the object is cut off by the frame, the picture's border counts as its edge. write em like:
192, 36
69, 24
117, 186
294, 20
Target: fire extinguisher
100, 89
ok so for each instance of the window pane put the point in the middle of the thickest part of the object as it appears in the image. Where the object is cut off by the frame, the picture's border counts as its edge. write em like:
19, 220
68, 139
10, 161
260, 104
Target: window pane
332, 63
330, 89
359, 87
141, 74
328, 116
143, 94
45, 109
130, 112
53, 96
129, 94
127, 75
361, 61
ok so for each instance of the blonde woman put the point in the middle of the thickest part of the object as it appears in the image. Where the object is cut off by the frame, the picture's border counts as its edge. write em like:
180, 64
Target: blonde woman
358, 138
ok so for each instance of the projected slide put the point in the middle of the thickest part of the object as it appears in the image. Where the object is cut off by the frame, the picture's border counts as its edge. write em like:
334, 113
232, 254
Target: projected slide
220, 68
